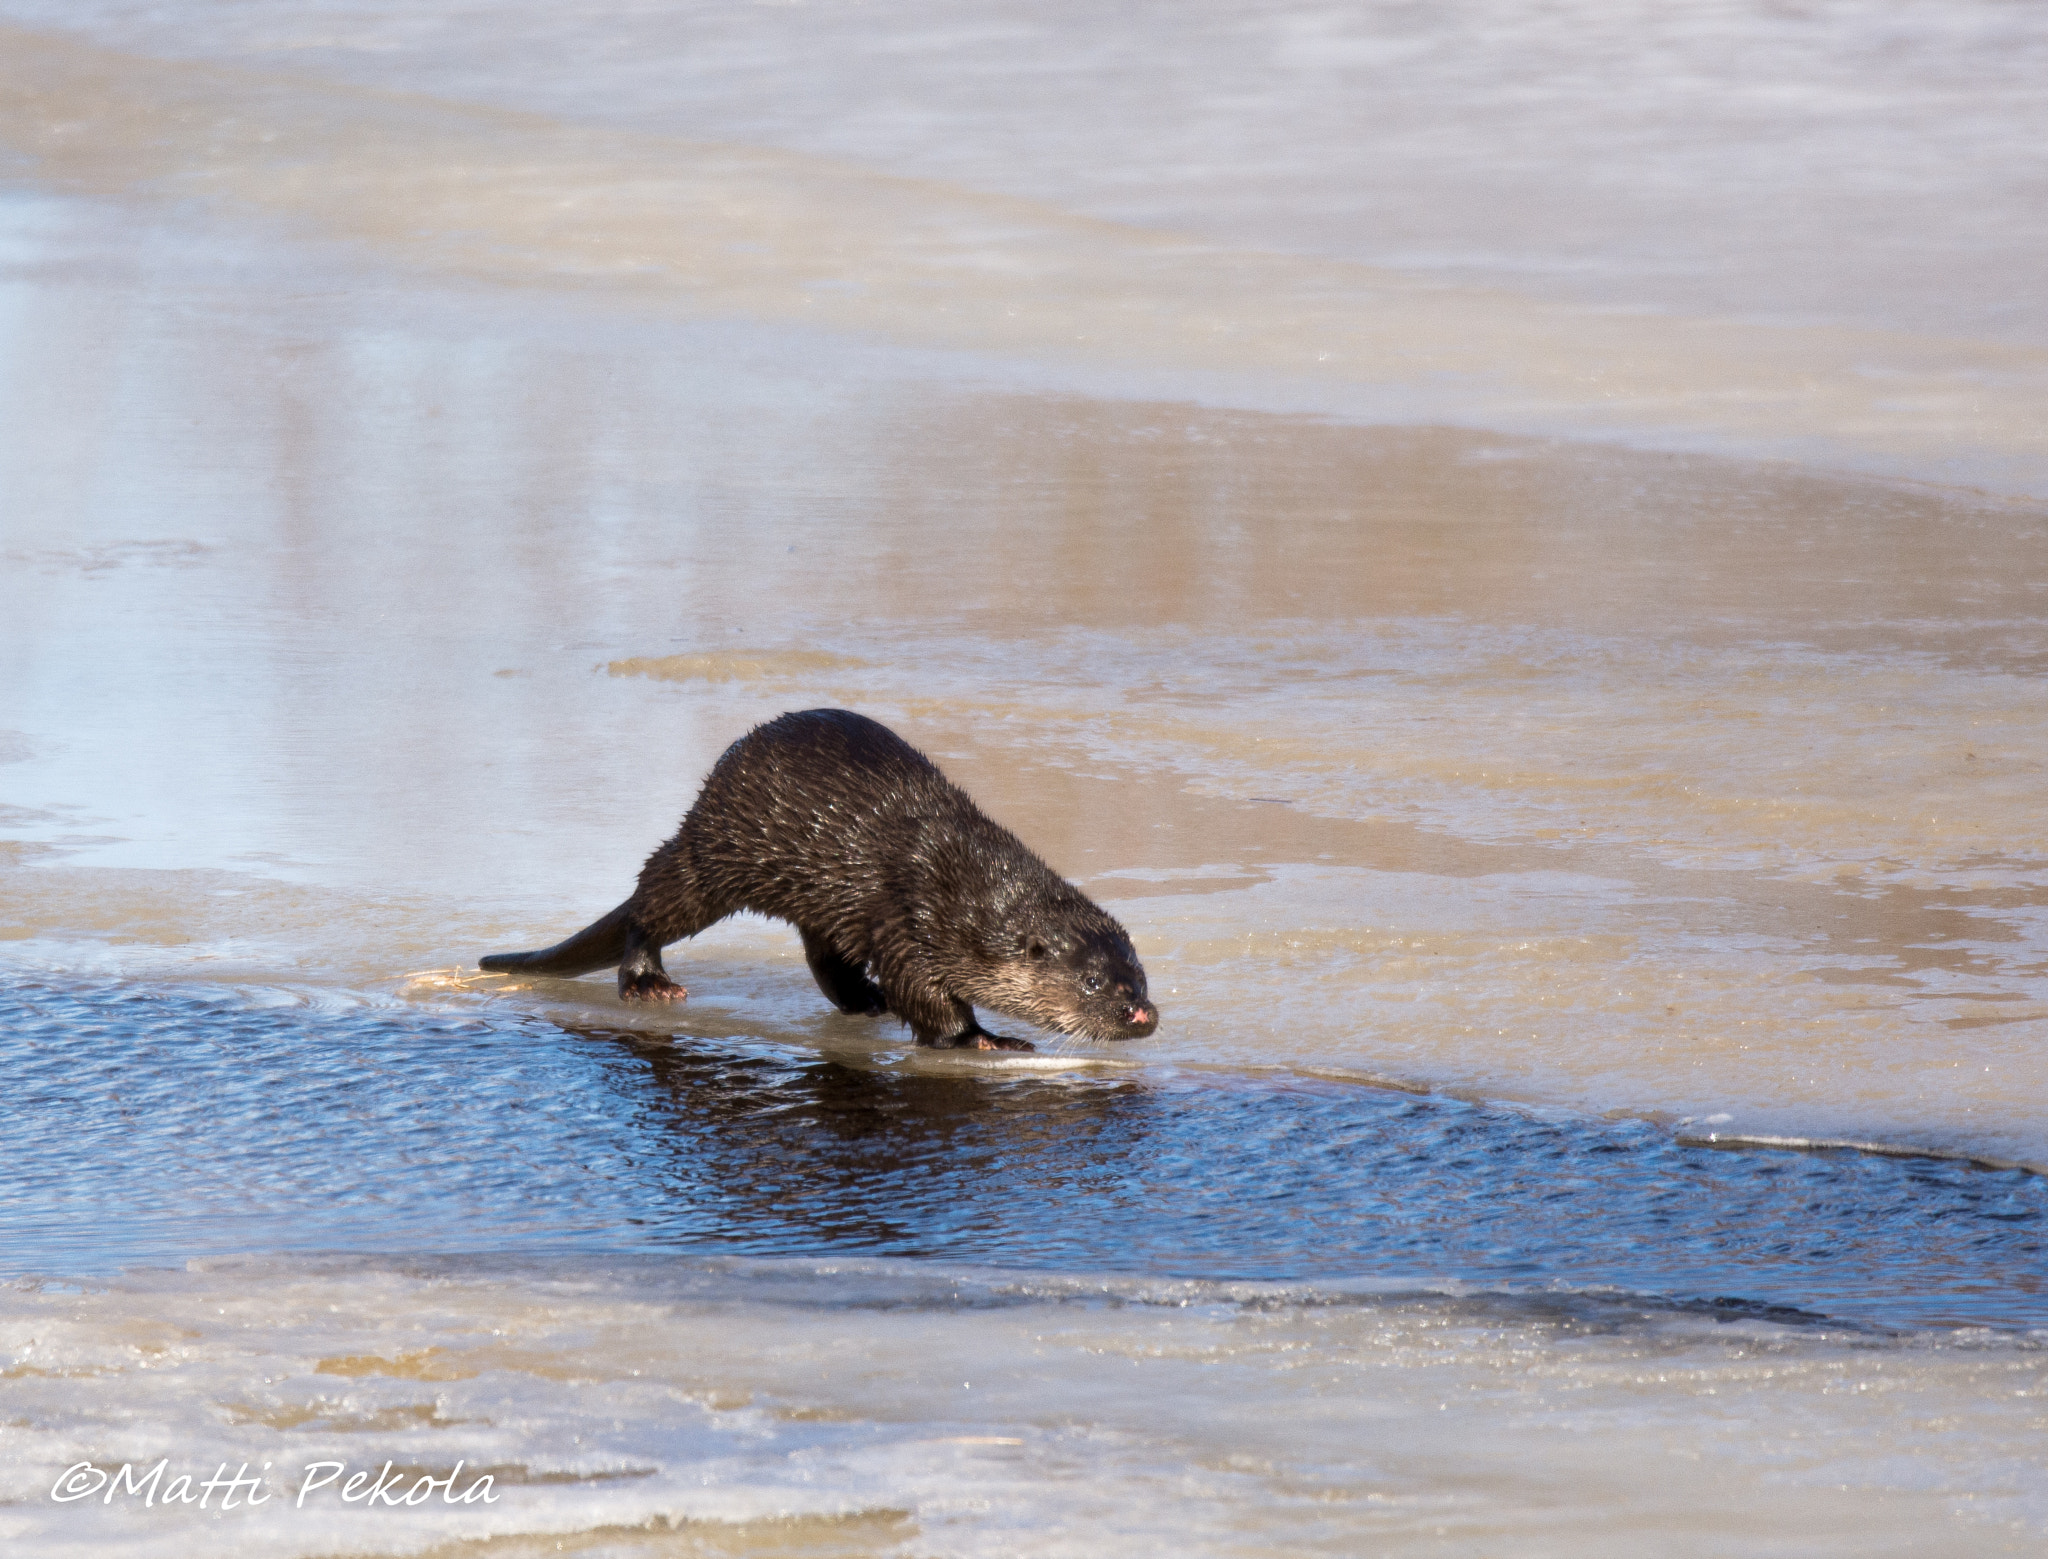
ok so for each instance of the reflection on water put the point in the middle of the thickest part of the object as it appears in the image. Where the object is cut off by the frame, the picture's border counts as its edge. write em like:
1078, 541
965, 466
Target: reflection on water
146, 1122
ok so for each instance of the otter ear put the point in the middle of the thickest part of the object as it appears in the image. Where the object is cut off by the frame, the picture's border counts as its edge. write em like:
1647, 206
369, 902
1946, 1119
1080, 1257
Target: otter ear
1034, 950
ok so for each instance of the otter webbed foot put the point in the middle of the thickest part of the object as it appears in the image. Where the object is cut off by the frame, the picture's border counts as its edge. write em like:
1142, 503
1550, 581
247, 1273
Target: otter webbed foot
978, 1038
641, 977
650, 985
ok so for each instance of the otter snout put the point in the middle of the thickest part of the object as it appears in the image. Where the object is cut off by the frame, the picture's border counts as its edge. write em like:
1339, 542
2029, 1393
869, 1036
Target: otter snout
1140, 1018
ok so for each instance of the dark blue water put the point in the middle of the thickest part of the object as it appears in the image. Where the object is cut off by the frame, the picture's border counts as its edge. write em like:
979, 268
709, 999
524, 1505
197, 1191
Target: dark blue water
143, 1124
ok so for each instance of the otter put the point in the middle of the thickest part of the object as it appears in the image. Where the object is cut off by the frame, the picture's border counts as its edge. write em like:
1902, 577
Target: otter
907, 898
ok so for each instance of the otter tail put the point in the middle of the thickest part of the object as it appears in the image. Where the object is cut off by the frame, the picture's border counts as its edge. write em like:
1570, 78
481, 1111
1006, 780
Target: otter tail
599, 945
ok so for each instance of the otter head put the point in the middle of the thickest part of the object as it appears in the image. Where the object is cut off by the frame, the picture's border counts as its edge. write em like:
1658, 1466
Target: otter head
1088, 983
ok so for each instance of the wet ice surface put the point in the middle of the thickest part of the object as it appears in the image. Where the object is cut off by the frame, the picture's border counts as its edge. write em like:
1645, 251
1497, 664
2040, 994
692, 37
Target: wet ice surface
146, 1124
1561, 773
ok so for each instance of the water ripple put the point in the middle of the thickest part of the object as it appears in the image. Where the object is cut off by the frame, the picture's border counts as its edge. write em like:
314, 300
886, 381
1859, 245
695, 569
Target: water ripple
152, 1123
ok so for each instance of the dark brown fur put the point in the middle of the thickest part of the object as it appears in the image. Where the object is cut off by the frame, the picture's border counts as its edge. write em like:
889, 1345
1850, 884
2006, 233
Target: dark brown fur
908, 899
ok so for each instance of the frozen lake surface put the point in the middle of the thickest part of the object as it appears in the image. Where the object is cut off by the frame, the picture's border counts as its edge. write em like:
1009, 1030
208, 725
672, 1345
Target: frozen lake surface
1507, 544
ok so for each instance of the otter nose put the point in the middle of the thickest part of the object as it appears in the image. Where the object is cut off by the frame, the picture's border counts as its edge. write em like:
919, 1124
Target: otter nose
1141, 1017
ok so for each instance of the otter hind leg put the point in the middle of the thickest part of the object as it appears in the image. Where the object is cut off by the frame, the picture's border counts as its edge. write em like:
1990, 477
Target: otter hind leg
641, 976
844, 982
671, 902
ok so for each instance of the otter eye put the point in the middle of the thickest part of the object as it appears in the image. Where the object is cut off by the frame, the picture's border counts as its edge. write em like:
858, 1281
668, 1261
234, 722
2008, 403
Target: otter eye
1091, 985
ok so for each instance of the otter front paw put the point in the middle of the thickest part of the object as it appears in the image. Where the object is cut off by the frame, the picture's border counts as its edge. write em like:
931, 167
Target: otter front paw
978, 1039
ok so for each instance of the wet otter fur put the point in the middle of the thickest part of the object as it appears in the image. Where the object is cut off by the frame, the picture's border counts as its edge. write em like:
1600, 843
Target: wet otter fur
908, 899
